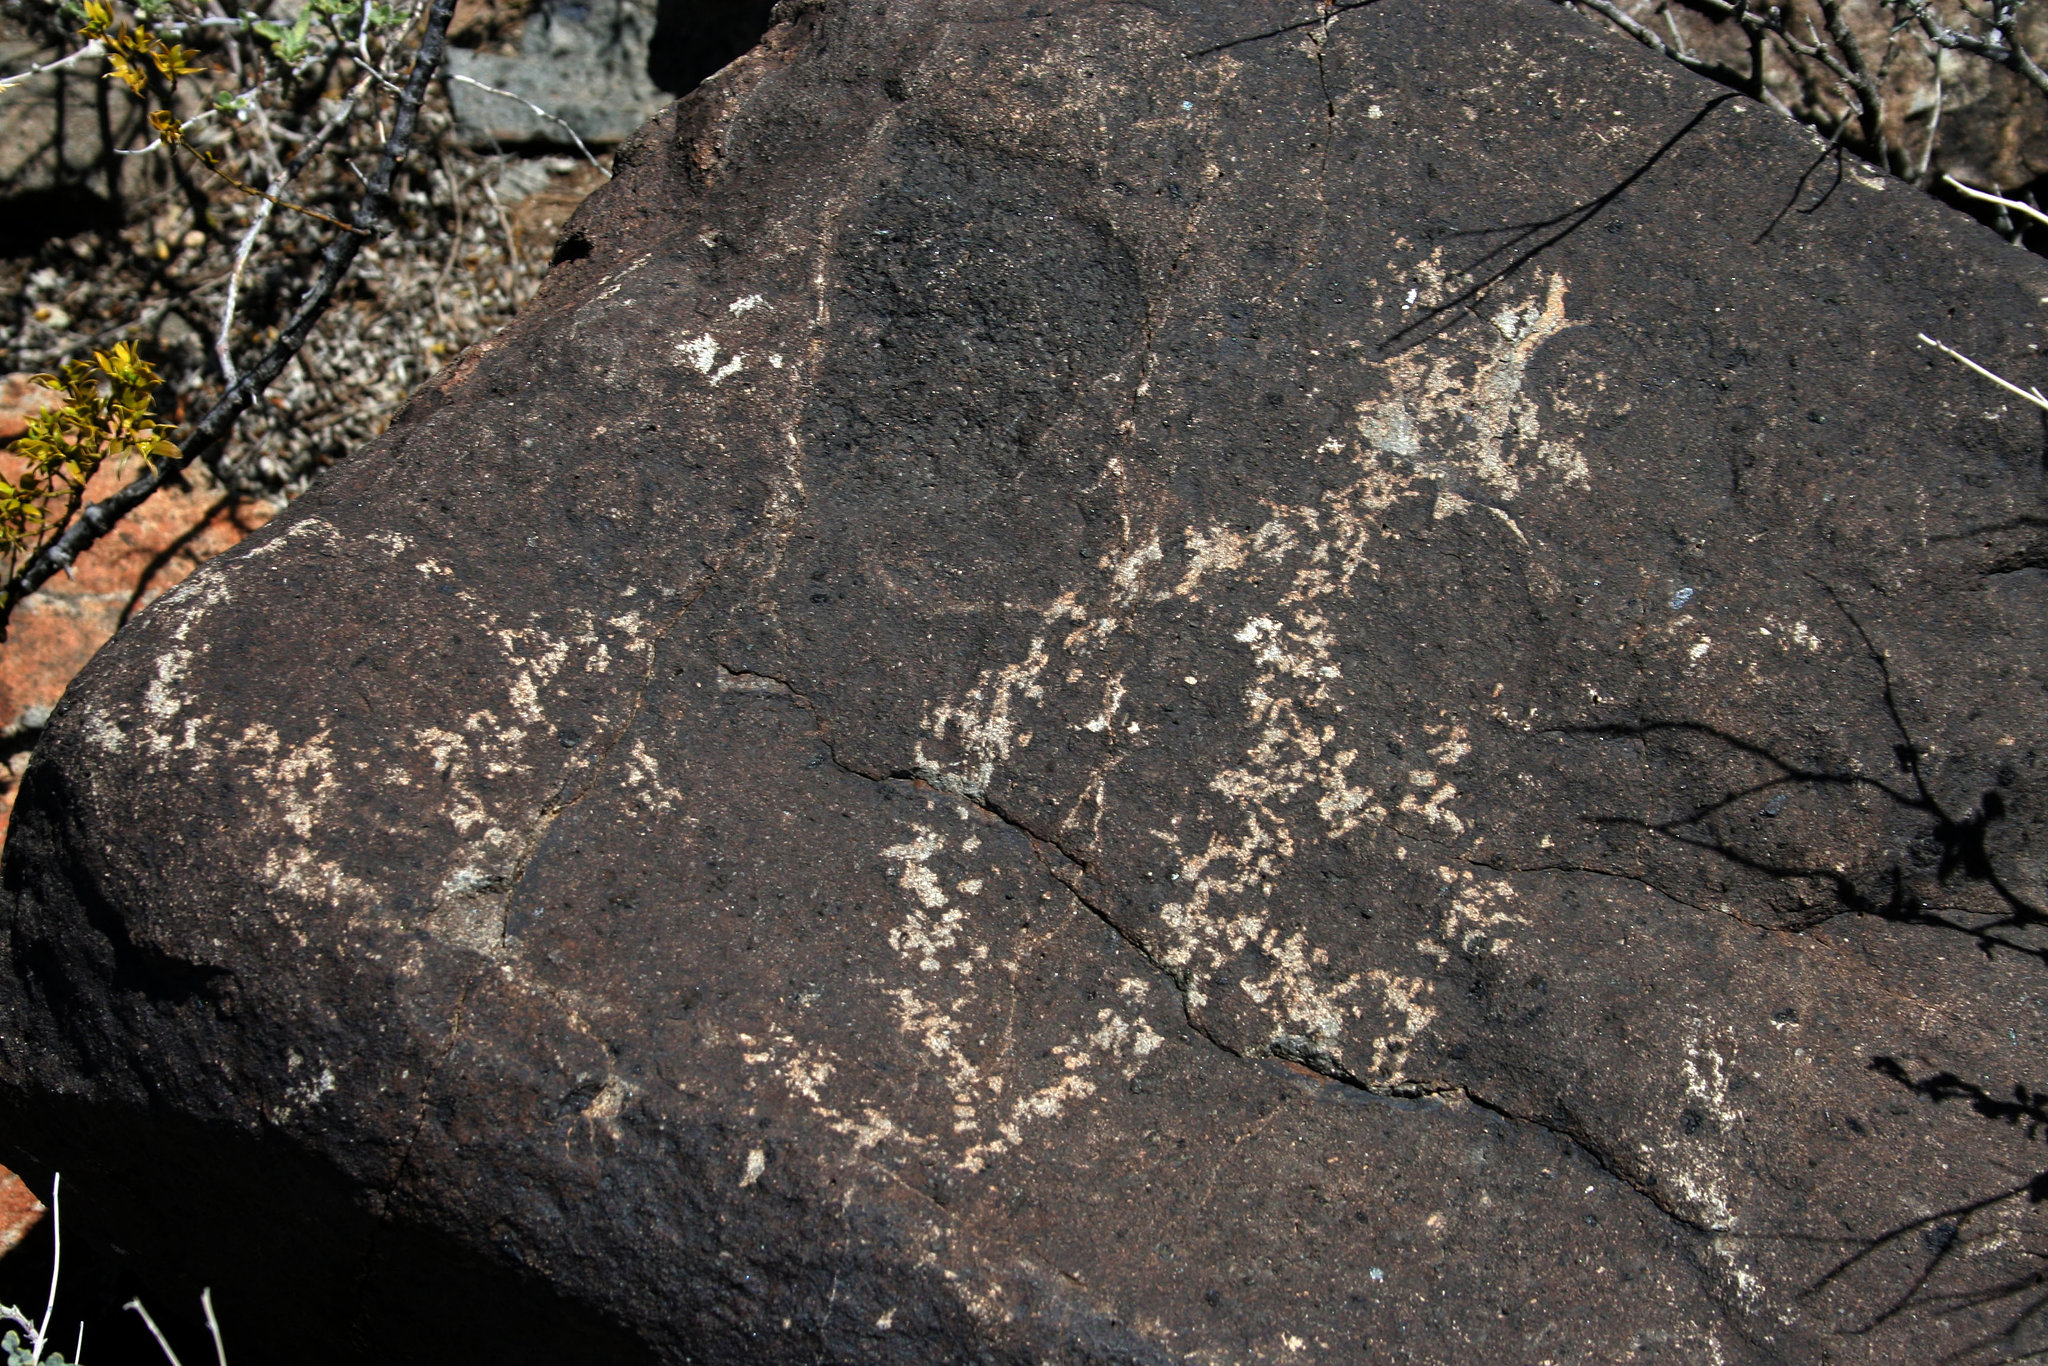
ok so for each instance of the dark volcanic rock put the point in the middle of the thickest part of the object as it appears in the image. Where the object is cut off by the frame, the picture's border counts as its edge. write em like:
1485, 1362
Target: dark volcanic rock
1118, 685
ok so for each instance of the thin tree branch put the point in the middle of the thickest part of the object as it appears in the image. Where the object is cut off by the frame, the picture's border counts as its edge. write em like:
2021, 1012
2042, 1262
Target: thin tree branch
154, 1331
1714, 71
2016, 205
220, 1351
262, 218
1933, 122
2000, 45
562, 123
1856, 72
218, 421
84, 54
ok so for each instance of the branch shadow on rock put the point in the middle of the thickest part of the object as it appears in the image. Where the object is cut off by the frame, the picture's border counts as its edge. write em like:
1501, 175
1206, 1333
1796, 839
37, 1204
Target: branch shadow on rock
1940, 1254
1941, 1245
1517, 249
1960, 838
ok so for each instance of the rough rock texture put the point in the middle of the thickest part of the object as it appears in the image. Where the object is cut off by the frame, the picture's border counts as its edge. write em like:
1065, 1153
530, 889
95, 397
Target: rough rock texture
1130, 684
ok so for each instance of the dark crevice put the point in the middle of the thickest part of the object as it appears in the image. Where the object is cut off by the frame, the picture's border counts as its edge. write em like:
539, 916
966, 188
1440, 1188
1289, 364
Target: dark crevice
1321, 40
1598, 1156
1634, 880
1417, 1089
1069, 872
1325, 14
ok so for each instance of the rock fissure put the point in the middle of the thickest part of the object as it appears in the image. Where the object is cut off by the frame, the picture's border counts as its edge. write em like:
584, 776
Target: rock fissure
1068, 872
1073, 867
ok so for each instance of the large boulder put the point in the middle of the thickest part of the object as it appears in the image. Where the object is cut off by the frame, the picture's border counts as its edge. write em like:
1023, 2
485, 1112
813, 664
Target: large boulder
1108, 684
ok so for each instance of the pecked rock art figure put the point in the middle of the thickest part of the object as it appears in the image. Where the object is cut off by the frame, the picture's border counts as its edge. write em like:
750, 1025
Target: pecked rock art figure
1220, 684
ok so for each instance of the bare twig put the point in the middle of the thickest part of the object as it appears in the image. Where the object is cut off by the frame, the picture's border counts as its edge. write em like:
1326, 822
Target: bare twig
369, 219
1715, 71
551, 118
56, 1260
2000, 43
174, 134
360, 50
2015, 205
1856, 73
84, 54
154, 1331
1933, 122
220, 1351
156, 142
240, 99
2033, 396
263, 210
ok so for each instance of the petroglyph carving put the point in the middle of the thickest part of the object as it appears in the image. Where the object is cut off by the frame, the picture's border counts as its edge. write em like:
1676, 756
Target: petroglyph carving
1459, 416
948, 1011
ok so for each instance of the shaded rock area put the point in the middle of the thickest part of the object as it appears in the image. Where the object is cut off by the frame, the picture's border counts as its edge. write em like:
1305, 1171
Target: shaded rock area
1211, 683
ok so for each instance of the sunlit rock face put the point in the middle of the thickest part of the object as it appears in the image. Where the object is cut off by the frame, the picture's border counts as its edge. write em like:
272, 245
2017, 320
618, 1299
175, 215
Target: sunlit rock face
1124, 685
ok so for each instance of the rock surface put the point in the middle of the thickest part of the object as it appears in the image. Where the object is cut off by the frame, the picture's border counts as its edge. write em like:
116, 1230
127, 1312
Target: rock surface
1201, 684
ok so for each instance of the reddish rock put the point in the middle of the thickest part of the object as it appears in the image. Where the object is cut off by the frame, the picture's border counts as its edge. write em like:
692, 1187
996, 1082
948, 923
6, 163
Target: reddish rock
20, 1211
54, 632
20, 399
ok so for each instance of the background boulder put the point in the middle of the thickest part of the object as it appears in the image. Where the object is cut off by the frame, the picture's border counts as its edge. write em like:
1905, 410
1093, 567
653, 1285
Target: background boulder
1124, 685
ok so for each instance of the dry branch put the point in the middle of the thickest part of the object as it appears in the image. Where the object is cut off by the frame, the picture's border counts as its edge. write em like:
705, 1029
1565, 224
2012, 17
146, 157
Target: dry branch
371, 219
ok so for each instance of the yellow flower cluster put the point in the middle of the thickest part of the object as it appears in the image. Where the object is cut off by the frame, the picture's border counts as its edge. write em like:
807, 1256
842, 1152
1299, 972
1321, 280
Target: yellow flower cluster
132, 51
